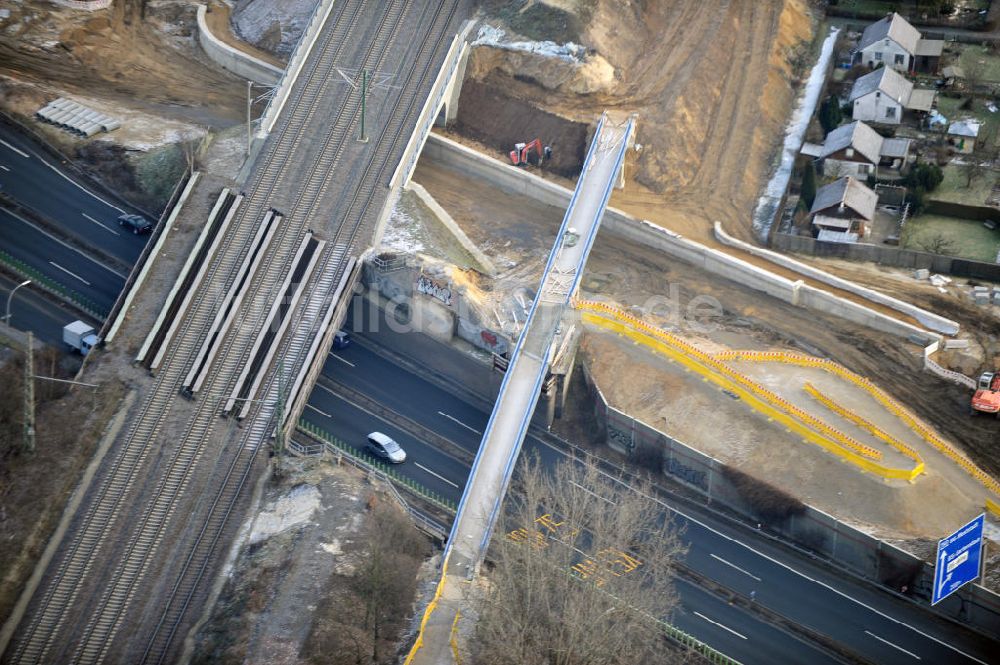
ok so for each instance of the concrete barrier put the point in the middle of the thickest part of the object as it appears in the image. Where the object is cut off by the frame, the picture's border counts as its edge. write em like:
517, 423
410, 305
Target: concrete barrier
622, 225
151, 257
231, 58
933, 321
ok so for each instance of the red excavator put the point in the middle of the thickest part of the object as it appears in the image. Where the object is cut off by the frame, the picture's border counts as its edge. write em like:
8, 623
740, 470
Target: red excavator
987, 396
522, 151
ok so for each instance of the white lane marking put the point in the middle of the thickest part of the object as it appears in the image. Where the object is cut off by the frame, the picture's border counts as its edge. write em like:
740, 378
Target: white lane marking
346, 362
436, 475
880, 639
456, 420
721, 626
4, 167
64, 176
596, 496
103, 226
776, 561
322, 413
20, 152
64, 244
73, 274
733, 565
81, 187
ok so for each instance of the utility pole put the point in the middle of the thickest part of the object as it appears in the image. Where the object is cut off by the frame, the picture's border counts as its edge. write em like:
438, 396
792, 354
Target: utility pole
364, 97
249, 121
279, 430
29, 395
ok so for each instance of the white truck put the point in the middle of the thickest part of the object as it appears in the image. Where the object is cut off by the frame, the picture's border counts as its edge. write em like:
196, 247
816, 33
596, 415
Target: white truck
80, 336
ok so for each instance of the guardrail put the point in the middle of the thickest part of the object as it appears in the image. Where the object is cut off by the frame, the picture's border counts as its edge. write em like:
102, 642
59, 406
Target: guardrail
50, 285
881, 396
864, 424
336, 446
754, 394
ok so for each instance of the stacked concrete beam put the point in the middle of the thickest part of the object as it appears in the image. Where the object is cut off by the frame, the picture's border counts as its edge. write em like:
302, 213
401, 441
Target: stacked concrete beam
76, 118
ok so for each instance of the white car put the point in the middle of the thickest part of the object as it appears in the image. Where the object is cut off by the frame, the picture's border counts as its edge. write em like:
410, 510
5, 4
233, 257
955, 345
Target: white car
382, 446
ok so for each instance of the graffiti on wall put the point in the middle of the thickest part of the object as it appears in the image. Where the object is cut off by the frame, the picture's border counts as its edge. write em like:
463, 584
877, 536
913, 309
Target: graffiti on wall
622, 437
687, 474
434, 289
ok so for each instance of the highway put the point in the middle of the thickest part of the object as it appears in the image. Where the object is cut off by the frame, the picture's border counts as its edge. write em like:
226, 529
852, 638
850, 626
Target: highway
874, 625
30, 310
60, 261
37, 182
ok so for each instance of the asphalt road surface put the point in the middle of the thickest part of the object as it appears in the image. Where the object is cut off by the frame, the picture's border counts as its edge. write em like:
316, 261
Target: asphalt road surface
870, 622
30, 310
64, 263
38, 182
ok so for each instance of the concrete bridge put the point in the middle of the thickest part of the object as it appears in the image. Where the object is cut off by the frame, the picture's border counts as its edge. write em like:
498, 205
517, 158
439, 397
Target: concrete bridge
253, 307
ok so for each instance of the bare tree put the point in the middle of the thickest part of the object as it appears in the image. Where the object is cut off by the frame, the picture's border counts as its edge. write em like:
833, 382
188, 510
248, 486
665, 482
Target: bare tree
978, 165
581, 573
937, 243
386, 579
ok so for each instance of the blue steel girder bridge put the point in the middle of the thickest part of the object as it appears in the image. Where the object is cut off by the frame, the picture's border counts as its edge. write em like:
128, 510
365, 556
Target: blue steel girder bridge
529, 362
522, 384
254, 303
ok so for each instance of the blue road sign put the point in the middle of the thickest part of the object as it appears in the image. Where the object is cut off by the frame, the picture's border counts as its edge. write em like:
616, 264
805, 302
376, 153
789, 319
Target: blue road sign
958, 558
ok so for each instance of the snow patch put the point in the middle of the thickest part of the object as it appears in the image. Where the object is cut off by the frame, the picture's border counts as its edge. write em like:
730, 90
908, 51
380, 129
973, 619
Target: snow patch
402, 233
334, 547
570, 52
293, 509
795, 132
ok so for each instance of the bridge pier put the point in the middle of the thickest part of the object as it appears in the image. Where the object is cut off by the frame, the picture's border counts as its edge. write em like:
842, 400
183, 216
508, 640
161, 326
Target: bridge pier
449, 107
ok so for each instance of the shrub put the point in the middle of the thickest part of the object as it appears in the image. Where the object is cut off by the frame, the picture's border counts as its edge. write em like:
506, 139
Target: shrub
830, 114
808, 188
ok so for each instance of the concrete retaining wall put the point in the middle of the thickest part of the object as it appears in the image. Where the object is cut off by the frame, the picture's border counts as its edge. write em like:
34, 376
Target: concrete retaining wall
813, 530
929, 319
618, 223
238, 62
446, 220
291, 73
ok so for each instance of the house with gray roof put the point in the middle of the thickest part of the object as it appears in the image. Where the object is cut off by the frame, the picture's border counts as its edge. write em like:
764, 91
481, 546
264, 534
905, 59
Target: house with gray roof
963, 134
845, 207
893, 42
881, 96
855, 149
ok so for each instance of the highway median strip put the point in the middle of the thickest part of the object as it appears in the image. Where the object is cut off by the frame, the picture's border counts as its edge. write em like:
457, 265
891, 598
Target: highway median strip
46, 283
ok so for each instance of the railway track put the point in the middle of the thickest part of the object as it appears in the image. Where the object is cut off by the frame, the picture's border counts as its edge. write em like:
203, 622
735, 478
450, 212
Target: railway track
106, 510
242, 464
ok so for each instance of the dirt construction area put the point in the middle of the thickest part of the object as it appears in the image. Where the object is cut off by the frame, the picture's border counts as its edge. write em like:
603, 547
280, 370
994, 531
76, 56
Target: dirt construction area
513, 230
708, 121
139, 54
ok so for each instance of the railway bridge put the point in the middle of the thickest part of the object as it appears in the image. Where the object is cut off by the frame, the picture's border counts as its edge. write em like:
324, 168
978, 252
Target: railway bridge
238, 335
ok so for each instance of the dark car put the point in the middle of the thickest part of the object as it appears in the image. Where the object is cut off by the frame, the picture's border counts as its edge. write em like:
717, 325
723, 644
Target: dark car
135, 223
341, 340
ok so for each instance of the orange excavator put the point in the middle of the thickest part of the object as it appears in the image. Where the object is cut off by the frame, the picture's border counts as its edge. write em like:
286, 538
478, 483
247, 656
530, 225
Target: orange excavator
987, 396
521, 153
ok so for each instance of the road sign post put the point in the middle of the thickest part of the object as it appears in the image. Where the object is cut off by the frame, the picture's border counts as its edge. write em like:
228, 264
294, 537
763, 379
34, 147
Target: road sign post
958, 559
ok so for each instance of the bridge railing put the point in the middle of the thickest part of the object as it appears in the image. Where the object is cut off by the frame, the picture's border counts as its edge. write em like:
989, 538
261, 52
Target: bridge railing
491, 424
